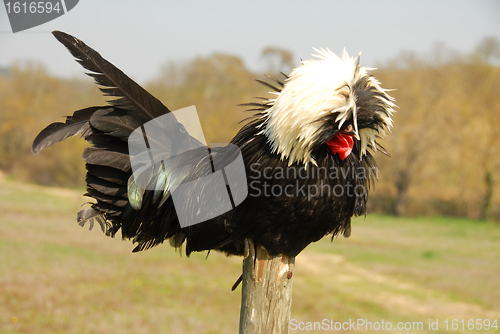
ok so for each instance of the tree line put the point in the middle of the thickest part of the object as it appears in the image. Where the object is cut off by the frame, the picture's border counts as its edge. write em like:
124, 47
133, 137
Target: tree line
445, 152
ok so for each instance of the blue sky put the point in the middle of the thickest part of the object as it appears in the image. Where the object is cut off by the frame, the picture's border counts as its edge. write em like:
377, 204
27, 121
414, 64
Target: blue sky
139, 36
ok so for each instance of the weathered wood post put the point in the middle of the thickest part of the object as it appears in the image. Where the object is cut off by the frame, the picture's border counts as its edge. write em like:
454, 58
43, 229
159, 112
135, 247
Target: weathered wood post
266, 298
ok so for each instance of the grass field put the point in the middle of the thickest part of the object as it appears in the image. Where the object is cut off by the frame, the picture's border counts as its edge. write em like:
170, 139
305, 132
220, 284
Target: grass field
56, 277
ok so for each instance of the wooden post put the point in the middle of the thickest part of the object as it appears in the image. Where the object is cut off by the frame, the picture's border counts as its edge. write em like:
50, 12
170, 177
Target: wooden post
266, 298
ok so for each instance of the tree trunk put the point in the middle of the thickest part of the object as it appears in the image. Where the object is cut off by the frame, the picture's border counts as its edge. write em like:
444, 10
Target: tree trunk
486, 207
266, 298
402, 185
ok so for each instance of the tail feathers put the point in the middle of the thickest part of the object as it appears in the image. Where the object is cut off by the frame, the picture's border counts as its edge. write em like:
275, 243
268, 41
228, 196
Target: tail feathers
150, 218
108, 174
144, 245
56, 132
162, 181
177, 240
118, 123
113, 126
119, 201
106, 157
92, 216
106, 187
115, 83
135, 193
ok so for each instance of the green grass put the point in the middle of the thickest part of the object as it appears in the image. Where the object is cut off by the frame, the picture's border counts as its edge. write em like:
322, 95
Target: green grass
56, 277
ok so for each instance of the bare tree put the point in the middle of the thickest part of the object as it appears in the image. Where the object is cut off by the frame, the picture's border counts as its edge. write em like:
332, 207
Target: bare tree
277, 59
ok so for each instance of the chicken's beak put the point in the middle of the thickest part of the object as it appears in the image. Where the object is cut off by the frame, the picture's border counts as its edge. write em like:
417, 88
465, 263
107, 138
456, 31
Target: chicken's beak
350, 131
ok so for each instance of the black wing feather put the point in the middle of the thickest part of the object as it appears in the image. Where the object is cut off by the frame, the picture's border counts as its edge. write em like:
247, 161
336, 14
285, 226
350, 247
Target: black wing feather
114, 82
57, 132
105, 157
117, 123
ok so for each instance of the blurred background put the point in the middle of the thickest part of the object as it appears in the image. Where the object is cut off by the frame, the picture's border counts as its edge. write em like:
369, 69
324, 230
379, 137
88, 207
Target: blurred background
428, 249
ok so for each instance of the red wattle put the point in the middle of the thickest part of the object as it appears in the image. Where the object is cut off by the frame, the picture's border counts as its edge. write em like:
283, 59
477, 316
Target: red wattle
341, 144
